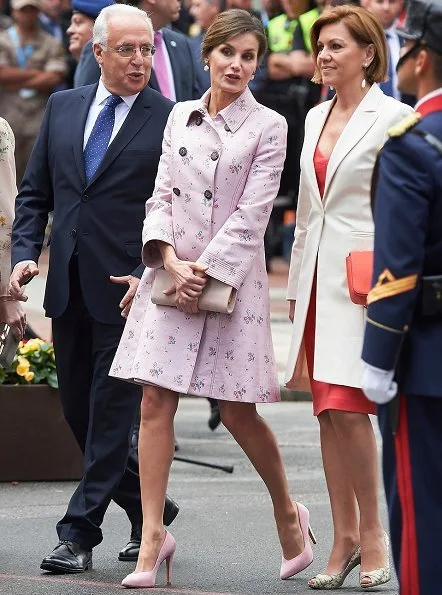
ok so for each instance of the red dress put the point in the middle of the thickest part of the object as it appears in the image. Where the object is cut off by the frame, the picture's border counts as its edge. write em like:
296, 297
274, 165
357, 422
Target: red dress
326, 395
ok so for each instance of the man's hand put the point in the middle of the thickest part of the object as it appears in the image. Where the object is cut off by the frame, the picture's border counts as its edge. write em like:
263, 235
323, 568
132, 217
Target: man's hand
378, 385
13, 314
23, 272
126, 302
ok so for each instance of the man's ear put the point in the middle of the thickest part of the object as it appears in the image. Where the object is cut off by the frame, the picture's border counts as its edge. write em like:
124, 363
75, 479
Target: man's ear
98, 53
422, 62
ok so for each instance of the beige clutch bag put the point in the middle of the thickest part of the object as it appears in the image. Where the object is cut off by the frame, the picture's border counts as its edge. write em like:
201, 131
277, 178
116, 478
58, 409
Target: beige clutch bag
216, 296
8, 346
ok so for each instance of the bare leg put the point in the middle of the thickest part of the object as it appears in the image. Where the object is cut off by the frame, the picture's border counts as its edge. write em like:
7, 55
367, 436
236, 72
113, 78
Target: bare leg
258, 442
358, 451
155, 451
342, 498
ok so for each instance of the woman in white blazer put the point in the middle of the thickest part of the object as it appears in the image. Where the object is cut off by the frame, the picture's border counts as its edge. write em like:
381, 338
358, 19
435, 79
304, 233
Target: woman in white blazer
11, 311
342, 138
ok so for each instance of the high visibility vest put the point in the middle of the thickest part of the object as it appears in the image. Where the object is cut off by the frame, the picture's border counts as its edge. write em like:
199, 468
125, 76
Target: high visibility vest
280, 32
306, 21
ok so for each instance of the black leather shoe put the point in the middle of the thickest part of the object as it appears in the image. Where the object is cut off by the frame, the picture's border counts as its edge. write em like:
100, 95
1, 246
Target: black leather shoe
130, 552
67, 557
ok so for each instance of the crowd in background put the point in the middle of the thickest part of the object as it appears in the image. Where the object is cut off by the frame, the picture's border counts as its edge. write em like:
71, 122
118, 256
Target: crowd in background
45, 46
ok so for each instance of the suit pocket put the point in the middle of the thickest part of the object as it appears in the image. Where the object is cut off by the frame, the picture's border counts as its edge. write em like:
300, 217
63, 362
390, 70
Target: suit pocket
133, 249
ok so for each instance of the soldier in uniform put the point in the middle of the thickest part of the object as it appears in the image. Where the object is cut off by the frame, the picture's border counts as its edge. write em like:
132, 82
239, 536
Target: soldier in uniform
403, 340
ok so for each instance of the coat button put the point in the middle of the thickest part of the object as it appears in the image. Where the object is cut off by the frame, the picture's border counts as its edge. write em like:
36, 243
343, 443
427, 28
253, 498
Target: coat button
214, 156
207, 194
85, 198
74, 233
226, 128
176, 191
198, 121
182, 151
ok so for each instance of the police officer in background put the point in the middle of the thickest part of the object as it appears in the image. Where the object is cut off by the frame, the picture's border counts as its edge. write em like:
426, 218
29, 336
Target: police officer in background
403, 340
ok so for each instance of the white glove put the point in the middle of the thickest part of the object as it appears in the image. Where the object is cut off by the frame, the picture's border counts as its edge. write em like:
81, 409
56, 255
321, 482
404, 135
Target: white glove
378, 385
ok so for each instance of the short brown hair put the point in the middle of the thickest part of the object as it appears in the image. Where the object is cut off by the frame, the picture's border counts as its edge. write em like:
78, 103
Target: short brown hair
230, 23
365, 30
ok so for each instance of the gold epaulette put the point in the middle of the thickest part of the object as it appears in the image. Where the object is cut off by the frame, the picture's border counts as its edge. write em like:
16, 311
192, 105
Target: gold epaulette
404, 125
388, 286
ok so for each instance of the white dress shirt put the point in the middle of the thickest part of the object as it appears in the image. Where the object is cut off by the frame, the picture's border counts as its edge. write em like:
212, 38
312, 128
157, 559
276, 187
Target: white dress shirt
97, 105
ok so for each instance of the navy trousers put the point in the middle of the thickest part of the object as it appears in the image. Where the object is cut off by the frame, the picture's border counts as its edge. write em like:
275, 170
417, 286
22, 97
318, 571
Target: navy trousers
412, 469
100, 411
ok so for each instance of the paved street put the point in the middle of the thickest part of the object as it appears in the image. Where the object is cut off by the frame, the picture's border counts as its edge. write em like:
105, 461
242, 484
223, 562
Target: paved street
226, 539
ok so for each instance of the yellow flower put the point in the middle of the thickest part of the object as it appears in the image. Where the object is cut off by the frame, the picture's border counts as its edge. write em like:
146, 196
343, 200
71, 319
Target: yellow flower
29, 376
23, 367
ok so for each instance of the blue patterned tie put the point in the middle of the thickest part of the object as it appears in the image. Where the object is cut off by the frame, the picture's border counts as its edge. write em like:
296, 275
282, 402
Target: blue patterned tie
98, 141
387, 87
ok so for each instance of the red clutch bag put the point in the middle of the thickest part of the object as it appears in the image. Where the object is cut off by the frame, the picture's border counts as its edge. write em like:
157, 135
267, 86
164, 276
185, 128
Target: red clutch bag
359, 276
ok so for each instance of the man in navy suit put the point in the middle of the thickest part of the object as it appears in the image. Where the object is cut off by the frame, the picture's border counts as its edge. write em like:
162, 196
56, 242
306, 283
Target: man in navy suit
94, 165
403, 338
180, 67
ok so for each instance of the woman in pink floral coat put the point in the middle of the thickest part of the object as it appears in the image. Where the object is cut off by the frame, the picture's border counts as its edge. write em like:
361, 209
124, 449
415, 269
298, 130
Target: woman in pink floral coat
217, 180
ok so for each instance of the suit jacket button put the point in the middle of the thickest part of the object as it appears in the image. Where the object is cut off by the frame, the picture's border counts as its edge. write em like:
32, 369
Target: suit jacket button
226, 128
74, 233
198, 120
85, 198
182, 151
176, 191
207, 194
214, 156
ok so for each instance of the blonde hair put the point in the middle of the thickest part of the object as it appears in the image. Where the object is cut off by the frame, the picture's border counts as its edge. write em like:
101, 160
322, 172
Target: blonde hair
365, 30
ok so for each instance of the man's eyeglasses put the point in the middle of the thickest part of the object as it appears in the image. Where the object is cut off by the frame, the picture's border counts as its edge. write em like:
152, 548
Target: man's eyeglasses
128, 51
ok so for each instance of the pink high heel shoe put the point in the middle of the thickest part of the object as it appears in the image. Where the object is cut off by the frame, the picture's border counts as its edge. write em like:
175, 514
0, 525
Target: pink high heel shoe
305, 558
147, 579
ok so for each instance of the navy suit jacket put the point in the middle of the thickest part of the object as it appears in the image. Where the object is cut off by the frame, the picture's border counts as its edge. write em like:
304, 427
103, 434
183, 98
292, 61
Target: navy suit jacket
181, 59
101, 220
408, 241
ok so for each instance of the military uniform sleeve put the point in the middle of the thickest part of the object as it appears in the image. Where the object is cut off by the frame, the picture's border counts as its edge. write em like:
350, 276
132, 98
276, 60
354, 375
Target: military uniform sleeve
57, 58
404, 194
8, 192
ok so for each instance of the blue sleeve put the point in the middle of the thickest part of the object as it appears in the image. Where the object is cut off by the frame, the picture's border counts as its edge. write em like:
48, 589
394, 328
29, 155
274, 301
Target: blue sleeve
403, 197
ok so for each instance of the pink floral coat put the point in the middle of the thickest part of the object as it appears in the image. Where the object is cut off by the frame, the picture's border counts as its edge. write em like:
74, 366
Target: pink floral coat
214, 191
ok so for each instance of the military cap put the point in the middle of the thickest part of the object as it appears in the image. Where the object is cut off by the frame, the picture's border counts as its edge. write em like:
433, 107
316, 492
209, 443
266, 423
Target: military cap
90, 8
424, 23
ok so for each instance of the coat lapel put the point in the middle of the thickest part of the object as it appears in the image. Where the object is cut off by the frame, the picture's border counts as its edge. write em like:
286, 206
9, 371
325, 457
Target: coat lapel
78, 124
357, 127
136, 118
310, 142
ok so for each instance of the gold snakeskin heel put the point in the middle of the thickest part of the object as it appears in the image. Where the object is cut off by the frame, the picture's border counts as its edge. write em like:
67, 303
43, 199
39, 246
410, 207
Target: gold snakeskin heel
380, 575
334, 581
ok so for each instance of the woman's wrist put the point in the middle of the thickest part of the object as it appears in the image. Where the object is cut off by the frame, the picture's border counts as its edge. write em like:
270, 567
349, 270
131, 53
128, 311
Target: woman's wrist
6, 298
168, 253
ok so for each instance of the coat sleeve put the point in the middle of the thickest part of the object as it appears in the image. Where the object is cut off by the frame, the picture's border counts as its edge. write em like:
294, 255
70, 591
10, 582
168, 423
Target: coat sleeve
35, 199
158, 223
302, 215
404, 195
8, 192
230, 253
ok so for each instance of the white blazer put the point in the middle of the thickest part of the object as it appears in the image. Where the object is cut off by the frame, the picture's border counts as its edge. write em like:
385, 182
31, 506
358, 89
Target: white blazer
8, 192
328, 229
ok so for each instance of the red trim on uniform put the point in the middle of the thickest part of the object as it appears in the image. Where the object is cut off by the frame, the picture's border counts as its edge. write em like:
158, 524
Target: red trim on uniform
409, 573
434, 104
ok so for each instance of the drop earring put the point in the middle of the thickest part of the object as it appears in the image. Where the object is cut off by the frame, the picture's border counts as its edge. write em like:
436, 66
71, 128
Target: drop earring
364, 82
253, 76
206, 65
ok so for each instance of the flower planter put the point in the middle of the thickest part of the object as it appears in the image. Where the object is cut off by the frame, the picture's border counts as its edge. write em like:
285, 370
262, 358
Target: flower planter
36, 444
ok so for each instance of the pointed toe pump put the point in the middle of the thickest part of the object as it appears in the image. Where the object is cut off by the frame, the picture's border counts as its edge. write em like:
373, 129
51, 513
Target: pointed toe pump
140, 580
305, 558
